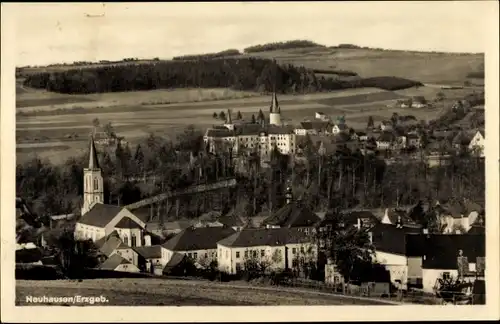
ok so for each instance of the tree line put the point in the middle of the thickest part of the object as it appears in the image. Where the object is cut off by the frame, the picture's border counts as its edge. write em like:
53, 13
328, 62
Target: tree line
281, 46
253, 74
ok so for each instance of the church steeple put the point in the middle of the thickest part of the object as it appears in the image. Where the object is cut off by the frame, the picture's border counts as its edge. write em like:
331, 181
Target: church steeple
93, 161
275, 107
93, 182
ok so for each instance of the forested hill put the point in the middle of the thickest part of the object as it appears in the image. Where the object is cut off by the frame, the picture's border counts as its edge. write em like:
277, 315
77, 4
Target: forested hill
246, 73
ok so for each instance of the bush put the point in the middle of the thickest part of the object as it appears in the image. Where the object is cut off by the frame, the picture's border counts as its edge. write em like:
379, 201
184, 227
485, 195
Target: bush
281, 45
389, 83
37, 272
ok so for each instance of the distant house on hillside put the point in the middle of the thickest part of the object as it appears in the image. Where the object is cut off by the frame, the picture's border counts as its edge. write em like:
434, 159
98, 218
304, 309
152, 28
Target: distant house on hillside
477, 143
385, 125
321, 116
339, 128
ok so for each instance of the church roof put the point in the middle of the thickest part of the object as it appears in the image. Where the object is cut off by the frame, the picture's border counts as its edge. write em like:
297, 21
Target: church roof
127, 222
93, 161
100, 215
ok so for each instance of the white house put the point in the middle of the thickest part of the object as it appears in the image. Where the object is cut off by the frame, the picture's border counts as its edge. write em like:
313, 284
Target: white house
276, 248
390, 250
321, 116
339, 128
199, 244
458, 216
477, 143
152, 258
385, 140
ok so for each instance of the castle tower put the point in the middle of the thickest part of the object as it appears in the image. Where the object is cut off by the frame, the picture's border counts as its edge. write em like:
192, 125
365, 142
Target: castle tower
93, 183
275, 111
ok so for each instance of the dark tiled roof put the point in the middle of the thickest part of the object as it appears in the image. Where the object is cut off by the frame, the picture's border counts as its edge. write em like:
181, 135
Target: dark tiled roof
219, 133
388, 238
174, 261
342, 138
276, 130
363, 215
317, 125
202, 238
100, 215
231, 220
28, 255
293, 215
442, 250
260, 237
112, 262
386, 137
110, 244
149, 252
178, 225
127, 222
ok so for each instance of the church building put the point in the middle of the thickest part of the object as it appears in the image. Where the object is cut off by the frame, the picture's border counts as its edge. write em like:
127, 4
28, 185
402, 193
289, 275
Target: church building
99, 220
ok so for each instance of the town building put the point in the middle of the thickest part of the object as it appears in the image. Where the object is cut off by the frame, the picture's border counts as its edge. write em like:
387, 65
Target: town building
312, 128
199, 244
93, 182
276, 248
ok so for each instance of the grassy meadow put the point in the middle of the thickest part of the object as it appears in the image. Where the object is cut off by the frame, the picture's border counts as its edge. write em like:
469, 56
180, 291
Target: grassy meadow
165, 292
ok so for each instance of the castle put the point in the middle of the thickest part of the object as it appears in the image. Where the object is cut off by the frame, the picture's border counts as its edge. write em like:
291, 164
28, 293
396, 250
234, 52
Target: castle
260, 138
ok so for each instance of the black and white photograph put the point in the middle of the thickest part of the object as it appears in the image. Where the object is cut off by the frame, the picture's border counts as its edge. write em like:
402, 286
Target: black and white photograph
250, 154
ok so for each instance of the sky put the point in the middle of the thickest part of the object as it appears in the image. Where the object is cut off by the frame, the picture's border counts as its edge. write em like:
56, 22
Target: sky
48, 33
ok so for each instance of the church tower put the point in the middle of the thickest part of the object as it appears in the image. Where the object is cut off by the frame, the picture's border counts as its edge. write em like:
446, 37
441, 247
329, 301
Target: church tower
93, 183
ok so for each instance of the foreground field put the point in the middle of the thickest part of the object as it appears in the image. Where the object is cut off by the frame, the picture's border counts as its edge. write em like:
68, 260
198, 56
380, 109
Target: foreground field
160, 292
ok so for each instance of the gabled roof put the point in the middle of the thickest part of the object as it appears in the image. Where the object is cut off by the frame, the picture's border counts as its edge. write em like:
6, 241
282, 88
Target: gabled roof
293, 214
219, 133
265, 237
316, 124
202, 238
390, 239
100, 215
178, 224
149, 252
441, 251
127, 222
175, 260
113, 262
110, 244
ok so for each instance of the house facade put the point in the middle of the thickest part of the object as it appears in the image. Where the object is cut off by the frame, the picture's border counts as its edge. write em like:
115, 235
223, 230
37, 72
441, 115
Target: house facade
199, 244
276, 248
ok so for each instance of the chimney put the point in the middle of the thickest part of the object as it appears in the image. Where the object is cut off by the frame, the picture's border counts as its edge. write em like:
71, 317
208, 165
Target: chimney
147, 240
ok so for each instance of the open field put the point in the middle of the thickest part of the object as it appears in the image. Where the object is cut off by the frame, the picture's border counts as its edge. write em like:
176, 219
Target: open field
162, 292
70, 128
449, 68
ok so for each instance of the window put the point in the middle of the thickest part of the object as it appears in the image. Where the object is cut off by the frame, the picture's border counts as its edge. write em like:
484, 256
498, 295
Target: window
246, 254
134, 240
125, 240
301, 249
238, 267
294, 250
195, 255
237, 255
227, 254
206, 255
446, 275
190, 255
96, 184
254, 253
295, 263
262, 253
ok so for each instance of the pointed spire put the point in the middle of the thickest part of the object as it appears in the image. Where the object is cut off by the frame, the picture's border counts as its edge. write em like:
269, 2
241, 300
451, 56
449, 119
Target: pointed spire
93, 161
275, 108
228, 117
